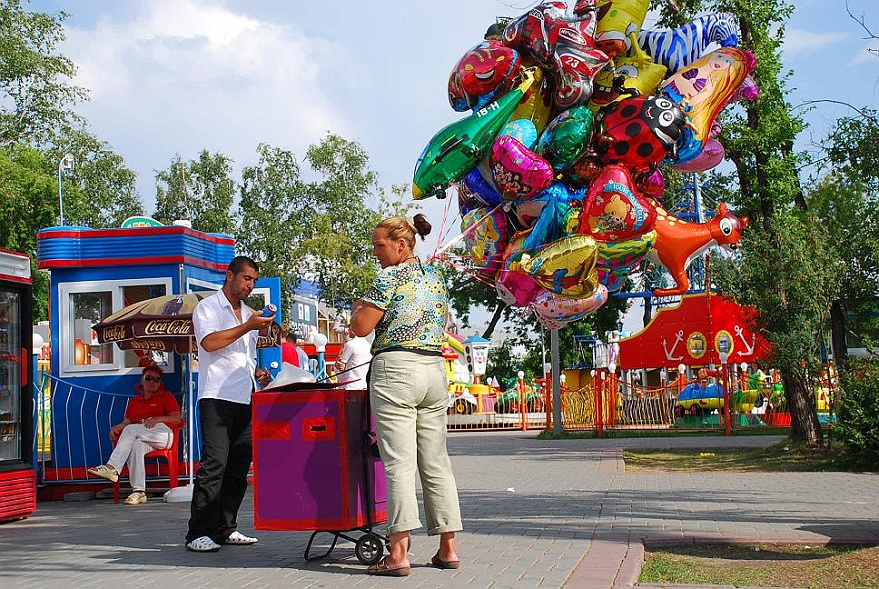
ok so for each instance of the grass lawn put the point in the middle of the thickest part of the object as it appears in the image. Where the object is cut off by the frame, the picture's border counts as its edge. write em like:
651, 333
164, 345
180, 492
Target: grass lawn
765, 565
776, 458
756, 565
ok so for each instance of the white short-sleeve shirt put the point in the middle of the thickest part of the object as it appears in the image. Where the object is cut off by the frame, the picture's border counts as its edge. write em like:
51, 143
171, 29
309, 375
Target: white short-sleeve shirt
226, 373
355, 356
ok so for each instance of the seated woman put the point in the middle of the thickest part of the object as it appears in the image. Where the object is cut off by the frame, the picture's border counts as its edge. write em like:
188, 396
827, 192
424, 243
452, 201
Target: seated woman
143, 430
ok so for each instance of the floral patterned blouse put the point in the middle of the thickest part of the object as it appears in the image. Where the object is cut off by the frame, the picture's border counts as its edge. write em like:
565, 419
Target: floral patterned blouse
415, 302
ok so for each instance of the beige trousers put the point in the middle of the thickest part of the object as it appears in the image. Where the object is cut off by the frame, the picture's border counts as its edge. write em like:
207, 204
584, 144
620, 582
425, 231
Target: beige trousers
409, 395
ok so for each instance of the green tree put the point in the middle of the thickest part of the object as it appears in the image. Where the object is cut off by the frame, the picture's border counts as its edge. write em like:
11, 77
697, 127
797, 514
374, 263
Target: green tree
319, 230
200, 190
784, 271
36, 98
845, 201
28, 202
102, 191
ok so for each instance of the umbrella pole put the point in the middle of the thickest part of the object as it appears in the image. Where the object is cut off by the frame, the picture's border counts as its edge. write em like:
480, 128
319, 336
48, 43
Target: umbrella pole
184, 494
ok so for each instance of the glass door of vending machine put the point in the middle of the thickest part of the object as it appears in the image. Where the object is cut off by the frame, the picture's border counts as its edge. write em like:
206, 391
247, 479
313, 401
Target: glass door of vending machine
17, 470
11, 434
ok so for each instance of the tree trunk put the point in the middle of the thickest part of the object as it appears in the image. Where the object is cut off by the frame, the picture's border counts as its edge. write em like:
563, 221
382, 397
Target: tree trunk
837, 334
804, 424
489, 329
648, 310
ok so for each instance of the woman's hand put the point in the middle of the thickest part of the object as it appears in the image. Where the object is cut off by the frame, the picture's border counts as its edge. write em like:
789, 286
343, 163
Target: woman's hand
116, 431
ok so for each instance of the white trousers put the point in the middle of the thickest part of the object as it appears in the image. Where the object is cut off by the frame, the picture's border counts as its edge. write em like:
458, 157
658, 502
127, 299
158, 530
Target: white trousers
410, 396
134, 443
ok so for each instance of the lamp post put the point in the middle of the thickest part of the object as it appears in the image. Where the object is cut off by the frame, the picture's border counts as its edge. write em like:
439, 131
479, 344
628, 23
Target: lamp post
727, 397
65, 168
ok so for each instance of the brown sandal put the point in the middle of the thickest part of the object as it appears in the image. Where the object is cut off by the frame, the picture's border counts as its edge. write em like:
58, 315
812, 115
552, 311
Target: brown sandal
439, 563
382, 569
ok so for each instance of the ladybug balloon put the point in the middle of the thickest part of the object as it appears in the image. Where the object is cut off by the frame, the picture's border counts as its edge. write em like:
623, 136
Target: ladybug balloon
639, 131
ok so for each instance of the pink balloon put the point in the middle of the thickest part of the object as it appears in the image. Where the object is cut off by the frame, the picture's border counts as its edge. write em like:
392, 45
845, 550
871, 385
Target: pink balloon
711, 155
558, 308
516, 288
518, 173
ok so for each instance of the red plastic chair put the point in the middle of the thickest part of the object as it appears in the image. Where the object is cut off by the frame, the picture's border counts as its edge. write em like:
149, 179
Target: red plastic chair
171, 455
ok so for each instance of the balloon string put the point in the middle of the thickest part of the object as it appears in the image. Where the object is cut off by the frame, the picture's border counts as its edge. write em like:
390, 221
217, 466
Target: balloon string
469, 230
442, 231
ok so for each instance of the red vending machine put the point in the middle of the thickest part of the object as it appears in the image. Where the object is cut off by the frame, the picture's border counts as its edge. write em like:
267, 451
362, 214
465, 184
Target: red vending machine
18, 488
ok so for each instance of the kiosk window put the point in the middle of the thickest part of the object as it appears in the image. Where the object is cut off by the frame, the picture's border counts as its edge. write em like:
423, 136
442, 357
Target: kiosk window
86, 309
92, 302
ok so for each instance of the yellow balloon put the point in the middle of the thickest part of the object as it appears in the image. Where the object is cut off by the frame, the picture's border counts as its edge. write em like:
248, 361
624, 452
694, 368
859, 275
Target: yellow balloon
565, 267
641, 73
617, 20
536, 105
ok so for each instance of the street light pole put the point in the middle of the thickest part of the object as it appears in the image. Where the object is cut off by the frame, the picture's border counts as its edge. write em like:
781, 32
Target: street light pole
65, 166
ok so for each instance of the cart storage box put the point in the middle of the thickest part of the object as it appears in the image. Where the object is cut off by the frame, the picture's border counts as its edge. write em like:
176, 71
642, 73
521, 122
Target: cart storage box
313, 460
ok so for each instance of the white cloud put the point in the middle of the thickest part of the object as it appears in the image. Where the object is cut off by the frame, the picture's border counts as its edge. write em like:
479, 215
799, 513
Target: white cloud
182, 75
799, 42
866, 55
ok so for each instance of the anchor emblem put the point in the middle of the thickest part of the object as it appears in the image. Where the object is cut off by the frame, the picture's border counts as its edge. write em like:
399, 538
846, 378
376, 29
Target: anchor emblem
679, 337
749, 349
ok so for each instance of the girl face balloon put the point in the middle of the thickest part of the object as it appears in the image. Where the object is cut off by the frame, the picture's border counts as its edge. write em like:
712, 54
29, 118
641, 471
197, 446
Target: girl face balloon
703, 89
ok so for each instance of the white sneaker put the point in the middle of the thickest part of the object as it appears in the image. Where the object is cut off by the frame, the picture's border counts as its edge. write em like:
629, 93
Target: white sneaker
239, 539
202, 544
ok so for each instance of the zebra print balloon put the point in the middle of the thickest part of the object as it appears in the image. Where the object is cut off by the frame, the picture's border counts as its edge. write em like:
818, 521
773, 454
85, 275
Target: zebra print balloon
678, 48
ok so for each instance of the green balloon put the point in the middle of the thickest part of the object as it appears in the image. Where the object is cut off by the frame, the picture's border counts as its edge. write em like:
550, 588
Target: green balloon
566, 136
458, 147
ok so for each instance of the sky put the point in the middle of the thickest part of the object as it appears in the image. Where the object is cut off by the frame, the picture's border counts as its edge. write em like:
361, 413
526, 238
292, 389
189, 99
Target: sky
173, 77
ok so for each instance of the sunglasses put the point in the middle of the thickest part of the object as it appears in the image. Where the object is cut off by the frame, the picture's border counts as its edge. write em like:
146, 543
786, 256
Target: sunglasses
149, 378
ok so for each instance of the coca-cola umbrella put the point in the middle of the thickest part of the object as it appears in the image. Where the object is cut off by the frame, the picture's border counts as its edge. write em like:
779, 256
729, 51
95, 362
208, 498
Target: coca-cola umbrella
164, 324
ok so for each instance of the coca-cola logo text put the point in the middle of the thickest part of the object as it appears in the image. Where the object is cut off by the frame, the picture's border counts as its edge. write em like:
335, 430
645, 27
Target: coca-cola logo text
165, 327
115, 333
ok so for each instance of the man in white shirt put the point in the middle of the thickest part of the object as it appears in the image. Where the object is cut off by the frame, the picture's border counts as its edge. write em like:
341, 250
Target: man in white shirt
226, 331
354, 360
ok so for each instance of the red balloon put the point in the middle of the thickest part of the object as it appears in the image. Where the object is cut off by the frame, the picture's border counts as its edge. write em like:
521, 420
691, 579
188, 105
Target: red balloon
613, 210
485, 73
639, 131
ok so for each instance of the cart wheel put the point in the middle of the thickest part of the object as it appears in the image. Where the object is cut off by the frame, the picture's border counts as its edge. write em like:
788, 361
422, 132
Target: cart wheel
368, 549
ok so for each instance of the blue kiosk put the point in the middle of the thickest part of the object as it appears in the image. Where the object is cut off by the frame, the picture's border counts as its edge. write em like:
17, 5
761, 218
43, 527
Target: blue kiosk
94, 273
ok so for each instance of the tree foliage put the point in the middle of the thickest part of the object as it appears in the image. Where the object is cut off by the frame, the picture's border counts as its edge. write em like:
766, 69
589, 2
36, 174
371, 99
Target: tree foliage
28, 202
319, 230
35, 94
200, 190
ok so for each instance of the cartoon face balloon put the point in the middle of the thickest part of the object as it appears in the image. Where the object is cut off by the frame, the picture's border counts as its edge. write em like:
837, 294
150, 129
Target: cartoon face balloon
482, 75
639, 131
485, 236
613, 211
703, 89
617, 21
518, 172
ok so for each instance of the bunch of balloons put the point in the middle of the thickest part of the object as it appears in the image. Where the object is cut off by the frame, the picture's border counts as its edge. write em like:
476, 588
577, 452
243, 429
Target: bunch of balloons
557, 166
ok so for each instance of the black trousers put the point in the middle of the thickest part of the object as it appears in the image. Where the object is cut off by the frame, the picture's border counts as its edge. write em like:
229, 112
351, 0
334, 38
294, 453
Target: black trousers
221, 480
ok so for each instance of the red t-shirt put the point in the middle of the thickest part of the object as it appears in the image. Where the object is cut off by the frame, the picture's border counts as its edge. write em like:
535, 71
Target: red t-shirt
161, 404
288, 354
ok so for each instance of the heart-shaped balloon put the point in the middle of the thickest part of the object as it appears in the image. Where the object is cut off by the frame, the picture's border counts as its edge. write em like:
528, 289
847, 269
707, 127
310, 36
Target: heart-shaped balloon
612, 210
513, 285
565, 267
518, 172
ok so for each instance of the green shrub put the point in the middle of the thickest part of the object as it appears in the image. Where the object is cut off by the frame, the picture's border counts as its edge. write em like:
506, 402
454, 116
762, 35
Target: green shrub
858, 414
